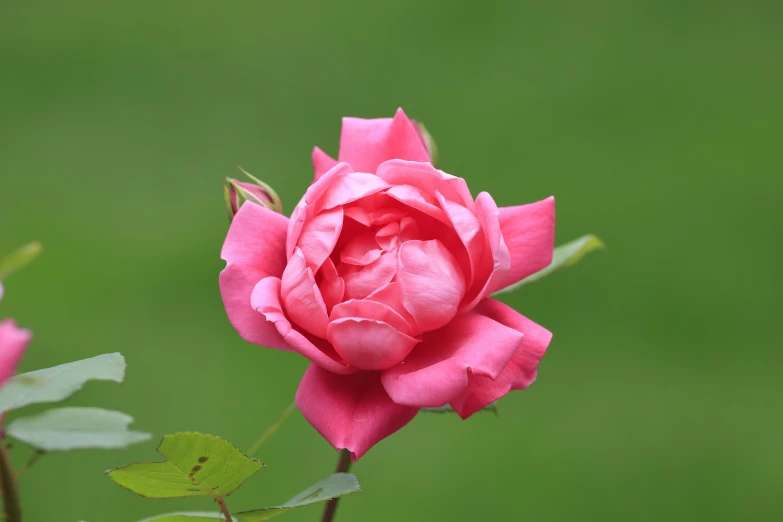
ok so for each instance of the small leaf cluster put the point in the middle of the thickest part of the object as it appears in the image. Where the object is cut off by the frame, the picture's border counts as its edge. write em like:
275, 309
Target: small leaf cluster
68, 428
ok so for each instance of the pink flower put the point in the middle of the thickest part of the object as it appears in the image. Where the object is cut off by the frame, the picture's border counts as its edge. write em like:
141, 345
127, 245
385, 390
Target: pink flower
13, 342
381, 278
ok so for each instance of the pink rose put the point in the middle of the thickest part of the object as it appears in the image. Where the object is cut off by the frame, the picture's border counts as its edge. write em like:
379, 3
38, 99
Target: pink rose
13, 343
381, 278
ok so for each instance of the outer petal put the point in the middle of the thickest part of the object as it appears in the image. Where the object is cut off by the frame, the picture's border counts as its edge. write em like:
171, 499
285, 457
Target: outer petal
468, 228
13, 343
236, 287
431, 284
266, 303
438, 370
319, 235
254, 249
521, 370
305, 209
256, 240
353, 411
529, 232
302, 298
487, 214
365, 144
322, 162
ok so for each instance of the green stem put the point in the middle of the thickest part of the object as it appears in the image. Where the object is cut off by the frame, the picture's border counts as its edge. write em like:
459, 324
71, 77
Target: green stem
33, 459
271, 429
343, 465
9, 487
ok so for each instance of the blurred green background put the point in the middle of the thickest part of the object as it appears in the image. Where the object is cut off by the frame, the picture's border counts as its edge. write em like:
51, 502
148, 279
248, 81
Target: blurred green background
656, 124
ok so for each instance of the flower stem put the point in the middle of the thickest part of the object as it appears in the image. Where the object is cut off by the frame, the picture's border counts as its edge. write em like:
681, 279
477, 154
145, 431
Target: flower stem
271, 429
33, 459
343, 465
224, 509
9, 487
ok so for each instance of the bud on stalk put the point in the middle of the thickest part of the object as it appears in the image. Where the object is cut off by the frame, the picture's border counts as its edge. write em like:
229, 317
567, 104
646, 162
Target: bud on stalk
237, 192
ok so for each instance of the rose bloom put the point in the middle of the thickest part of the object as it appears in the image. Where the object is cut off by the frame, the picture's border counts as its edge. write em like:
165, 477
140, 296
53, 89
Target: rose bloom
13, 343
381, 278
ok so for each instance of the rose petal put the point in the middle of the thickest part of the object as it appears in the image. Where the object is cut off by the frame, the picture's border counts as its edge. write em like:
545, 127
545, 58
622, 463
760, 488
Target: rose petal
254, 249
305, 209
367, 344
236, 287
302, 298
391, 295
386, 237
431, 284
468, 228
416, 199
521, 370
426, 178
437, 371
369, 309
256, 240
319, 236
348, 188
322, 162
487, 214
361, 250
13, 343
362, 281
265, 302
332, 285
365, 144
352, 412
529, 232
377, 209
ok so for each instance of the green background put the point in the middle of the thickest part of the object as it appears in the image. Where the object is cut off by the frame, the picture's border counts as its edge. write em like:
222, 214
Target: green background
656, 124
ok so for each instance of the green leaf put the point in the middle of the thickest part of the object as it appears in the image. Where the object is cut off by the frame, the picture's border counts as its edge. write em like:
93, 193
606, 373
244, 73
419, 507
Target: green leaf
197, 465
64, 429
331, 487
19, 259
187, 516
60, 382
564, 256
493, 407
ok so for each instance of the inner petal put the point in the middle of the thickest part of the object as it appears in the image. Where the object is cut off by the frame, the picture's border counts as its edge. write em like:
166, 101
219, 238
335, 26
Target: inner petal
361, 250
431, 283
362, 281
368, 344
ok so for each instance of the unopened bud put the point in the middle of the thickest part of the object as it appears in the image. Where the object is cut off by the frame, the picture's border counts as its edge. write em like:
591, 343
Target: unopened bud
427, 140
237, 192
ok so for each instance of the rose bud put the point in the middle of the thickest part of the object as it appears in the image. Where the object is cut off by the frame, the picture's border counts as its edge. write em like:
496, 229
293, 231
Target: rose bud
237, 192
13, 343
383, 278
427, 139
